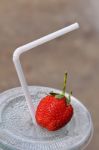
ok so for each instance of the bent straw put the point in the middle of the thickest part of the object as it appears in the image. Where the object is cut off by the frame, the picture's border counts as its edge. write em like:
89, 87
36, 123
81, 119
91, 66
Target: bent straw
27, 47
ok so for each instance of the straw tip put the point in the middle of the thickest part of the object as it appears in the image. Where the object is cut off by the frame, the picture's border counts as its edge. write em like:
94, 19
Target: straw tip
77, 24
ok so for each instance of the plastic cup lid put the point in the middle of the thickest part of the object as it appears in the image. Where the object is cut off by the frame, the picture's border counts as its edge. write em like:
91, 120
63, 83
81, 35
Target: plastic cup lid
18, 132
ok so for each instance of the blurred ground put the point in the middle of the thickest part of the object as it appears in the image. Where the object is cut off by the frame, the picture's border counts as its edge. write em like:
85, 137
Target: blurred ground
22, 21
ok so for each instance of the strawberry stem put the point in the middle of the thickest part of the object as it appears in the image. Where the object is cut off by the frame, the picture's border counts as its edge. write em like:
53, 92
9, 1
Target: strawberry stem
60, 96
69, 98
64, 87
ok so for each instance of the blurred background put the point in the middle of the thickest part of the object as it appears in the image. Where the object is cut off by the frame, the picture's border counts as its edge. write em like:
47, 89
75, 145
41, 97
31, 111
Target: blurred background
22, 21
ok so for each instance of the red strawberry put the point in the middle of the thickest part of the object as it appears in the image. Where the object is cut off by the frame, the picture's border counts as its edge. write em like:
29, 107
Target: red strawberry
54, 111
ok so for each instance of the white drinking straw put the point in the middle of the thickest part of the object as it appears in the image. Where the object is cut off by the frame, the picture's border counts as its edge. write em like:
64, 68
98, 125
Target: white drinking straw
27, 47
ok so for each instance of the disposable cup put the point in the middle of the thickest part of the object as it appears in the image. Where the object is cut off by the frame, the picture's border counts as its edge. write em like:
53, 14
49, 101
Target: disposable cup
17, 131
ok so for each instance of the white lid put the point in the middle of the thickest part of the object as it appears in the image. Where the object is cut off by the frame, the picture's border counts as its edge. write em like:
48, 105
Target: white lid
18, 132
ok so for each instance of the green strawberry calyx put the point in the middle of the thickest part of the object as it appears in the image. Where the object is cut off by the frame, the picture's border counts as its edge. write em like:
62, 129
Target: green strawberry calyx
61, 95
